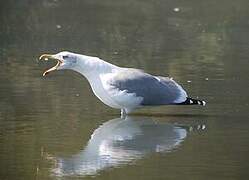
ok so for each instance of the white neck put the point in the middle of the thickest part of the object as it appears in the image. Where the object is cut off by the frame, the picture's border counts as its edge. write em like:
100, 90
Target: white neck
88, 66
93, 68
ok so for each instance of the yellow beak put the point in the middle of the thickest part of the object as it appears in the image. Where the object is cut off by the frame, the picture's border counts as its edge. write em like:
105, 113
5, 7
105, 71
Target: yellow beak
46, 57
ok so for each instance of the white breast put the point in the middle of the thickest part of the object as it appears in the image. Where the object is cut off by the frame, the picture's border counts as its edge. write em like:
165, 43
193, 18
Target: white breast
101, 93
126, 100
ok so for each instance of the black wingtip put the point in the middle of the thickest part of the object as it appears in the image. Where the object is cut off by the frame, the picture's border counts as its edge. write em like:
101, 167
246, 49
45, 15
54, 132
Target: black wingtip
191, 101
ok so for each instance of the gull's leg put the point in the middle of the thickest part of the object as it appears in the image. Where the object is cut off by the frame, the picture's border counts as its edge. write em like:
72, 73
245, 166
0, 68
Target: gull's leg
123, 113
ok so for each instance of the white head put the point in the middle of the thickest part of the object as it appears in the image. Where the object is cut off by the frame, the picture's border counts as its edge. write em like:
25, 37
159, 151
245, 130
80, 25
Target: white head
83, 64
65, 60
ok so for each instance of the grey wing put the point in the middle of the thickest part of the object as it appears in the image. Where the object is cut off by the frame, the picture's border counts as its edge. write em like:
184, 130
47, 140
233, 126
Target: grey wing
155, 90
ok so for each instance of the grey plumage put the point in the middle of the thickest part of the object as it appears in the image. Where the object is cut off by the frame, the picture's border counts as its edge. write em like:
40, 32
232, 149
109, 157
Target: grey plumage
155, 90
126, 89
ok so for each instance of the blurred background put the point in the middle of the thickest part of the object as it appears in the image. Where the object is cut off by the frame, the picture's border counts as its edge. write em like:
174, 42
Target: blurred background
203, 45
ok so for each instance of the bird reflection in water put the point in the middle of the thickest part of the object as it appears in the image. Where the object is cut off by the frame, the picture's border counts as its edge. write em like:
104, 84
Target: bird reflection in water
118, 142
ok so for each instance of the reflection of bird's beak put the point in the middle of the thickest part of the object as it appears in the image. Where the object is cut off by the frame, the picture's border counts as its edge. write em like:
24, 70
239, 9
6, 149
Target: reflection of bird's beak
46, 57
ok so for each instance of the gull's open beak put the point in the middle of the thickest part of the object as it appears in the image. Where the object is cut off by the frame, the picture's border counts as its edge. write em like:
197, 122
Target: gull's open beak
46, 57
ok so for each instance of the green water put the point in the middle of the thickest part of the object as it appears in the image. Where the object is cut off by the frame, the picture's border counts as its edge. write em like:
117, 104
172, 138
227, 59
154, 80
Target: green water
55, 128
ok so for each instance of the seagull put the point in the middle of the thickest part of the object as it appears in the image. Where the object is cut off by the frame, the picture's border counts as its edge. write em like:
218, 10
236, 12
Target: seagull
122, 88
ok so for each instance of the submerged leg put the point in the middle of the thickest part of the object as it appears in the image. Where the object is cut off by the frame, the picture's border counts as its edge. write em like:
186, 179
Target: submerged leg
123, 113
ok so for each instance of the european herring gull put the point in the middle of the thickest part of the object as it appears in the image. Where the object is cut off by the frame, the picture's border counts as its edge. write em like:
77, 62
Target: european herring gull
122, 88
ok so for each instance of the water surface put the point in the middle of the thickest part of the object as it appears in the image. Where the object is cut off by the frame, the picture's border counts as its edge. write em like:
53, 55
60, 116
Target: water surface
55, 128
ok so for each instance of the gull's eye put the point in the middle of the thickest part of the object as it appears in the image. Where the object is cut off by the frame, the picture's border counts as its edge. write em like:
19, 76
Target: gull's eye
65, 56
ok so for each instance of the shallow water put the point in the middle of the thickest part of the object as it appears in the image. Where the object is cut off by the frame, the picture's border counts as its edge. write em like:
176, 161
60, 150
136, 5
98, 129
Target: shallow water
55, 128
